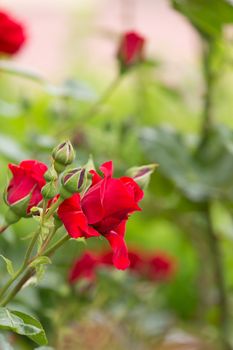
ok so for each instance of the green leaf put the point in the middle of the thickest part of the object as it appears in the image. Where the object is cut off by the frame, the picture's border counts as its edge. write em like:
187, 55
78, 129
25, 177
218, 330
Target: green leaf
41, 260
9, 265
72, 89
22, 324
199, 175
208, 16
44, 348
8, 68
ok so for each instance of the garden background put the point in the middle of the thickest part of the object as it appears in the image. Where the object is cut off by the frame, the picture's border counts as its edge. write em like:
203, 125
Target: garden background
174, 109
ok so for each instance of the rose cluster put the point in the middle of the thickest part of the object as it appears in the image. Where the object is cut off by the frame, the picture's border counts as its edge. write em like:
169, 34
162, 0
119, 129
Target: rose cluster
99, 207
158, 267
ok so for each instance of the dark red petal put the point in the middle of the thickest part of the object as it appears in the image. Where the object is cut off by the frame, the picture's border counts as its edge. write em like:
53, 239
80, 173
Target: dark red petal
120, 253
117, 198
20, 185
83, 267
132, 46
133, 188
107, 169
95, 177
91, 204
73, 218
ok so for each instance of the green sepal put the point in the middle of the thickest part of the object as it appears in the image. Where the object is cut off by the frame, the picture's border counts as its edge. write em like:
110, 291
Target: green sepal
142, 174
64, 153
11, 217
74, 180
49, 190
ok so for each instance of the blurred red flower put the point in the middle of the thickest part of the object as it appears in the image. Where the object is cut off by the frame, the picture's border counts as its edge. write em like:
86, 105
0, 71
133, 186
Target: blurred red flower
161, 267
26, 183
84, 267
12, 34
103, 210
130, 50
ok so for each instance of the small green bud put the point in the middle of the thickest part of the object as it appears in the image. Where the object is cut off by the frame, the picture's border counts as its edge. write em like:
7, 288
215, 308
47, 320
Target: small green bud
11, 217
50, 174
64, 153
59, 167
49, 190
142, 174
74, 180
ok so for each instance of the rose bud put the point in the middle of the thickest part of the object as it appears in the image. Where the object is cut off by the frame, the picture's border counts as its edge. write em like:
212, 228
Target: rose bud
63, 155
73, 181
50, 174
12, 35
49, 190
11, 217
142, 174
130, 51
24, 189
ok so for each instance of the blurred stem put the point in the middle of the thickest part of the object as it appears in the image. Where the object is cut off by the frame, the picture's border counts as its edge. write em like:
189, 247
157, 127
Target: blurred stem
3, 228
104, 97
28, 274
91, 112
27, 255
57, 245
209, 78
218, 272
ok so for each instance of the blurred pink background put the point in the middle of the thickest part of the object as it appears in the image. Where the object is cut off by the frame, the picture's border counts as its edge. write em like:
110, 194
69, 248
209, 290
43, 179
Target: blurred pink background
63, 34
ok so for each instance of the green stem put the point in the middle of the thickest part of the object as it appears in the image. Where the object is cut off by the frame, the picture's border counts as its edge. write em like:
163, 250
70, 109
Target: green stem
36, 236
11, 281
218, 278
27, 255
28, 274
45, 244
104, 97
56, 245
53, 208
91, 112
209, 78
3, 228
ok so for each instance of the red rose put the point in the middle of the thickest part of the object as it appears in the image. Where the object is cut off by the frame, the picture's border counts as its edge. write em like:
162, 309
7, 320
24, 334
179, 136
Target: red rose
130, 50
103, 210
161, 267
83, 267
27, 181
12, 35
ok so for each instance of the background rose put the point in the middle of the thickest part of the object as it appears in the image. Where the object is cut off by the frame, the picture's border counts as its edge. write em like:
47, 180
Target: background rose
130, 49
12, 34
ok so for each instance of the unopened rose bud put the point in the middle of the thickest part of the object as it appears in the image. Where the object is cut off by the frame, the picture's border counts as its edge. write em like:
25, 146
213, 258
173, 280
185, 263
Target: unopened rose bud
11, 217
19, 207
49, 190
142, 174
24, 189
63, 155
73, 181
130, 51
50, 175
